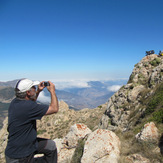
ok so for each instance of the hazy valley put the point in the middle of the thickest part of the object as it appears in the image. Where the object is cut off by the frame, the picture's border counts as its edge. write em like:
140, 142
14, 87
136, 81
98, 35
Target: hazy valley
90, 96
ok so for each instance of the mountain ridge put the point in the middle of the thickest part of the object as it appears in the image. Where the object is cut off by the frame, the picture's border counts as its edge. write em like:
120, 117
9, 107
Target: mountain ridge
147, 75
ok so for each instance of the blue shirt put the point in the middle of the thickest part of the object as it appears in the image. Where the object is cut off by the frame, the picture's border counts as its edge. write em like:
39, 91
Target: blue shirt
22, 115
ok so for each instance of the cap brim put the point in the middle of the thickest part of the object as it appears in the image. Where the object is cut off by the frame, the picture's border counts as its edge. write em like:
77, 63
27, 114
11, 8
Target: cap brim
35, 83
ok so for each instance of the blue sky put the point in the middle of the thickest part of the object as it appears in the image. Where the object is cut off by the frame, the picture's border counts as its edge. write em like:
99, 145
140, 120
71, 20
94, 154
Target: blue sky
77, 39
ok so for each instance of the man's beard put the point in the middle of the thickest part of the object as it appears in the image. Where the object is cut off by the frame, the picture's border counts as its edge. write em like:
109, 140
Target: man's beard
33, 97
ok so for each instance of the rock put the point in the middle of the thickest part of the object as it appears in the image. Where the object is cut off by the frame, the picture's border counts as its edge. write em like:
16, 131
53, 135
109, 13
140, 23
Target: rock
66, 146
65, 155
137, 158
148, 133
59, 144
102, 146
77, 131
104, 122
155, 77
63, 106
132, 95
116, 111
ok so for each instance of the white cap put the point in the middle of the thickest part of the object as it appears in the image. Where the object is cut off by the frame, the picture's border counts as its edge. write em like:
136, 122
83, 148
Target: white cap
25, 84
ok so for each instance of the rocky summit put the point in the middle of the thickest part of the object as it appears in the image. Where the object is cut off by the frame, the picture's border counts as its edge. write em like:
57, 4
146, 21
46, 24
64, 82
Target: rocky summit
126, 129
128, 105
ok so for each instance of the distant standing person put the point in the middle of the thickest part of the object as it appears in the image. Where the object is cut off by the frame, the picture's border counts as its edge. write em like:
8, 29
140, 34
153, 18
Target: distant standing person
23, 112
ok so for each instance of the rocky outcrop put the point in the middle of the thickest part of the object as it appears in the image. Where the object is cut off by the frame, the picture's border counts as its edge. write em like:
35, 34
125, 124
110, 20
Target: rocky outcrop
67, 145
77, 131
147, 74
148, 133
101, 146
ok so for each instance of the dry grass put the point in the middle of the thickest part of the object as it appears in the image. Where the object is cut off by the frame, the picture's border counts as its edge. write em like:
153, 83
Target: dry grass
129, 145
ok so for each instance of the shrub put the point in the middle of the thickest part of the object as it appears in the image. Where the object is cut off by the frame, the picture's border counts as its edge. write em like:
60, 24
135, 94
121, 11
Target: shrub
41, 131
131, 78
158, 60
78, 151
142, 80
136, 65
109, 122
157, 100
155, 62
158, 116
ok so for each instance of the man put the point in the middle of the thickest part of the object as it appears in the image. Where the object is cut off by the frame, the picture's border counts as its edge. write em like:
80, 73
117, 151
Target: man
23, 111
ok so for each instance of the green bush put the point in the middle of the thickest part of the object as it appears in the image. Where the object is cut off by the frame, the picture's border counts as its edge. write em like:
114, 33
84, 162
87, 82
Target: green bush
136, 65
78, 151
131, 78
156, 101
158, 60
155, 62
41, 131
158, 116
152, 105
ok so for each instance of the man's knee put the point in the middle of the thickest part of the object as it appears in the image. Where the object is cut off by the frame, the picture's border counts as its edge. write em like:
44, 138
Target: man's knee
50, 145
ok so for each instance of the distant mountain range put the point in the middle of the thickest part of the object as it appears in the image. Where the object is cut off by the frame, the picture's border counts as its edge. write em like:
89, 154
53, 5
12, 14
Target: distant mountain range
95, 94
9, 83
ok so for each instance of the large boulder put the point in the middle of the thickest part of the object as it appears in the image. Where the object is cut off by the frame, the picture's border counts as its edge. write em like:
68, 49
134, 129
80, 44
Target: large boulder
76, 132
148, 133
66, 146
102, 146
65, 155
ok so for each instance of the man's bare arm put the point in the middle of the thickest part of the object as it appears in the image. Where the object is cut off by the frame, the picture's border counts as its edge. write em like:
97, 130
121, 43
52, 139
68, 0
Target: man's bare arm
53, 107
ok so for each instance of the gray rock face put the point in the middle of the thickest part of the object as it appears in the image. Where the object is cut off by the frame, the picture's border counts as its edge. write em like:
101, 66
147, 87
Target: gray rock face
145, 76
